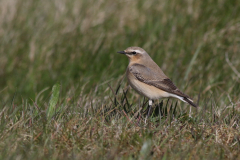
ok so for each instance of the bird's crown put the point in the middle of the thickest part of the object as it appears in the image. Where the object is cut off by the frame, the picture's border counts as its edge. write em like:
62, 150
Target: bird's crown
135, 49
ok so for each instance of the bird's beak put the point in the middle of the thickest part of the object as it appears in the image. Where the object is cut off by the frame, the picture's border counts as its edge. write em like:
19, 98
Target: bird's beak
122, 52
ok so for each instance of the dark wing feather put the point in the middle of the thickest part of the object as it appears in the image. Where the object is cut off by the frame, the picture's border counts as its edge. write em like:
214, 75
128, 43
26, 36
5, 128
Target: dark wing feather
150, 77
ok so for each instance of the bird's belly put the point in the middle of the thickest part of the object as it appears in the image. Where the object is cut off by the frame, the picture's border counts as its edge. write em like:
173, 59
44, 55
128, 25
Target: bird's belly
146, 90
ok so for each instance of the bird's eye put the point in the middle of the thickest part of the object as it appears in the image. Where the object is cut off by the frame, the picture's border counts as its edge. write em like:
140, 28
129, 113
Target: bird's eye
134, 52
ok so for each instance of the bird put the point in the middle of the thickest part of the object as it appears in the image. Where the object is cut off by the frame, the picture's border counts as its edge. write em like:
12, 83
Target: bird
147, 78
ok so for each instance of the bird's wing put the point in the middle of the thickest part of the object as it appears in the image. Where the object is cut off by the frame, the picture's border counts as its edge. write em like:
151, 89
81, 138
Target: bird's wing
154, 78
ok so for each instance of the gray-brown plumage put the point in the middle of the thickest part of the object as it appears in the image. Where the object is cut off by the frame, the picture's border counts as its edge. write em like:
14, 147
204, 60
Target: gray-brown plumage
146, 77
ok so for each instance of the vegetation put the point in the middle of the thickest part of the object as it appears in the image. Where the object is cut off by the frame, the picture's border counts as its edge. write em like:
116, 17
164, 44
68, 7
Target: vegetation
64, 94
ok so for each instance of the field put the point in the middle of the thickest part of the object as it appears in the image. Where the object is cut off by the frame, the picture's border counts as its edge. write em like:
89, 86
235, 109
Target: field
64, 94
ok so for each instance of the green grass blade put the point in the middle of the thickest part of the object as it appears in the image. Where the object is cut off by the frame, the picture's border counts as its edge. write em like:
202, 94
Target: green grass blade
192, 62
145, 150
53, 101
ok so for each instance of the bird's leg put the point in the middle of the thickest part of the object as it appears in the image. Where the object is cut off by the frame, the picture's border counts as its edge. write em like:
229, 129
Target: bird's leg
190, 112
150, 102
150, 107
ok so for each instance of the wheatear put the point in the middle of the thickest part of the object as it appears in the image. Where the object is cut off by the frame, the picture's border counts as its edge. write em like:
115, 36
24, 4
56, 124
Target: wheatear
146, 77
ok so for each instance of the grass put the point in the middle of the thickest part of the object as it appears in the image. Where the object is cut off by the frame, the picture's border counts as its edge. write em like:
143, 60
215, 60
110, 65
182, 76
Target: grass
63, 91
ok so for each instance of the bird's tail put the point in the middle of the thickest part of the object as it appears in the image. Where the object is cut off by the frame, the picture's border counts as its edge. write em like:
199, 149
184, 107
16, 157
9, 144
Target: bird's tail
185, 99
189, 101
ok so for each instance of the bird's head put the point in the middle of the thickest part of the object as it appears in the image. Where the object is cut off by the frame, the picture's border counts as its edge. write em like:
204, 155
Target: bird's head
135, 54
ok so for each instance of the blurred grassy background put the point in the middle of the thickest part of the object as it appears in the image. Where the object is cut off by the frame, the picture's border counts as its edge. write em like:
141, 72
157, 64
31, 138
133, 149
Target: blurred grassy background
75, 43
